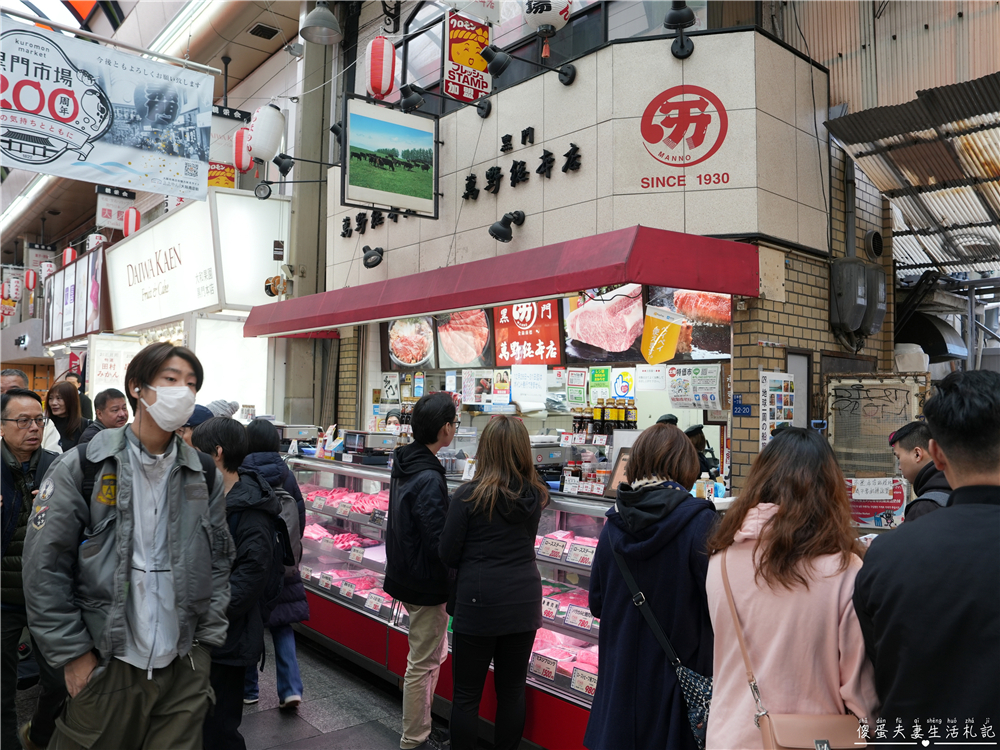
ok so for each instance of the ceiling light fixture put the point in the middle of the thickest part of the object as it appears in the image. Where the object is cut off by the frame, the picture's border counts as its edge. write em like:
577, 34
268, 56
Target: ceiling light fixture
678, 18
501, 232
497, 61
321, 26
337, 129
373, 256
284, 163
411, 97
24, 201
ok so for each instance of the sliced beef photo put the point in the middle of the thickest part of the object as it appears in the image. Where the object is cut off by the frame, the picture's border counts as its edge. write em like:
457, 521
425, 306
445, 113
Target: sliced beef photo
703, 307
612, 324
464, 336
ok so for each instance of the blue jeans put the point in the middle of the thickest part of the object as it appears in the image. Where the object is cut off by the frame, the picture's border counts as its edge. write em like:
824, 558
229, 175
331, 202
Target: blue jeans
286, 666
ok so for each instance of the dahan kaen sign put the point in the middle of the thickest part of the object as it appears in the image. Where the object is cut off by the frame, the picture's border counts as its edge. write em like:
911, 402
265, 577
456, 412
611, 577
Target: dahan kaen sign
80, 110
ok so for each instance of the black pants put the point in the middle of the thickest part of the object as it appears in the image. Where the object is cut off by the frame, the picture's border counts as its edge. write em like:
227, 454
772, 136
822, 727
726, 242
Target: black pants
50, 699
470, 662
222, 725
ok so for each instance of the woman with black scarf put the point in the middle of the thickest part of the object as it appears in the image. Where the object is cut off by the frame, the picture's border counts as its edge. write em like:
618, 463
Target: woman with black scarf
62, 407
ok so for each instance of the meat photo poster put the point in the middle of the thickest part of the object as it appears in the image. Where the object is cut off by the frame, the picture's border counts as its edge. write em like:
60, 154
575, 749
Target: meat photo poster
464, 339
604, 325
706, 324
408, 344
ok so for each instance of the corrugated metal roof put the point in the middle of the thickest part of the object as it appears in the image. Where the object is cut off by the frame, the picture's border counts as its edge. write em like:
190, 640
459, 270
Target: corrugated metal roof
937, 159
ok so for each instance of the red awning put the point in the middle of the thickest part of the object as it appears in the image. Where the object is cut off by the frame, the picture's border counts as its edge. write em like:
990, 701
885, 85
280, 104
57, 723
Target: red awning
638, 255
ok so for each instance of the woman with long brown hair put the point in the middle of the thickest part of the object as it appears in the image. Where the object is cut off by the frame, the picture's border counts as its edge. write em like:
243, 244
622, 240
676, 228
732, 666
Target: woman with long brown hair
62, 407
791, 559
489, 538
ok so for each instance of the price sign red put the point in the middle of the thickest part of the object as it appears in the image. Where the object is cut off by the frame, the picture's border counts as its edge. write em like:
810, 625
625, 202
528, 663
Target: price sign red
600, 439
306, 572
347, 589
326, 544
344, 510
566, 438
584, 682
586, 488
318, 503
578, 617
543, 666
581, 554
552, 548
325, 581
374, 602
579, 439
550, 608
356, 555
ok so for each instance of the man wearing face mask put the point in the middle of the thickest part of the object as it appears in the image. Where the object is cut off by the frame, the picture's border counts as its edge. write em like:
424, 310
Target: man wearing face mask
133, 636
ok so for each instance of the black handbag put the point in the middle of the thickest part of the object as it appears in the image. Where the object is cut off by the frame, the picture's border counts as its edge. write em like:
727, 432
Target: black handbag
697, 688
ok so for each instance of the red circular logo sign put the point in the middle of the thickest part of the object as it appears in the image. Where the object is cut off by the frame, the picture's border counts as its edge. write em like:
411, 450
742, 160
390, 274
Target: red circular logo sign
684, 125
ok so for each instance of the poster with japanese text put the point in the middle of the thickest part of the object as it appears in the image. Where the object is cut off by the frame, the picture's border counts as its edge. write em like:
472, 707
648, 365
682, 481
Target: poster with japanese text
527, 333
604, 325
777, 403
390, 387
694, 386
600, 384
651, 378
528, 385
464, 339
465, 75
477, 387
84, 111
877, 503
501, 387
702, 320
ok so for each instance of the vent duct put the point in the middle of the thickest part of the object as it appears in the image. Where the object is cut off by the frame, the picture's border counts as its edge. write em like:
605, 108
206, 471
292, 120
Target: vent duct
264, 32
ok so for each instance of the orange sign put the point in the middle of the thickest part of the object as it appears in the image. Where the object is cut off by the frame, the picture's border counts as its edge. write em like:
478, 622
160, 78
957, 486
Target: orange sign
527, 333
221, 175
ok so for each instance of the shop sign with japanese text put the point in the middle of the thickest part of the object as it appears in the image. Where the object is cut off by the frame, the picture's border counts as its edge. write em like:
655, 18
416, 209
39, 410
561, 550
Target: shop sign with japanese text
75, 109
527, 333
465, 75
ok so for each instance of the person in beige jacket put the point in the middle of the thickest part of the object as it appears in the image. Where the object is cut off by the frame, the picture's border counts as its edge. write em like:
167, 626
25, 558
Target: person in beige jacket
792, 556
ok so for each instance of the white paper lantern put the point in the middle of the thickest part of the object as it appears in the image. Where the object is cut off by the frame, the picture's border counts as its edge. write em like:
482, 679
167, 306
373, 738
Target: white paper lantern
95, 242
266, 129
15, 288
47, 268
547, 18
241, 157
132, 220
380, 67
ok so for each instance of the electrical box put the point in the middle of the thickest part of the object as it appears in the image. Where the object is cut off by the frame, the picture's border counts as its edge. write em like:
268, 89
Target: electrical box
875, 311
848, 294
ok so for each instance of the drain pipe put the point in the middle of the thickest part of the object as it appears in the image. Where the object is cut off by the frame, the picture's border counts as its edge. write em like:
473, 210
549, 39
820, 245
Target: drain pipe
850, 208
226, 59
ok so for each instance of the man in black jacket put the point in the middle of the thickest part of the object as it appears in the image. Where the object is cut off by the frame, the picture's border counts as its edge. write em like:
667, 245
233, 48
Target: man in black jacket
927, 594
86, 407
250, 506
24, 465
112, 412
414, 573
930, 486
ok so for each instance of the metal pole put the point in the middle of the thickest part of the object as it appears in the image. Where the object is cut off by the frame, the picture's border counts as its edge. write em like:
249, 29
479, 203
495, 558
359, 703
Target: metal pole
105, 40
970, 332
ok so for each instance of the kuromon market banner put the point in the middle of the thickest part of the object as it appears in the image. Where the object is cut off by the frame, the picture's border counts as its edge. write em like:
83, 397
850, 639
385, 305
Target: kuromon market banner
80, 110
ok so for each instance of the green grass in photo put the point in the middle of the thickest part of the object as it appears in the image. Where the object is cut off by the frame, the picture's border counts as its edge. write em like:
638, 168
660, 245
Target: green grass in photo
415, 182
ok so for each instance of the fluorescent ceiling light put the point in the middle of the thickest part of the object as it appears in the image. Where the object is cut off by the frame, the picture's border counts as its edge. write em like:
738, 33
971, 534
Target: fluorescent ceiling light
23, 201
45, 9
176, 32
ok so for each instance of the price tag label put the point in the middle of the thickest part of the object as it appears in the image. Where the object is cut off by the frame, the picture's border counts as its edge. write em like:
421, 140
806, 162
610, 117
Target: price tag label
566, 438
579, 439
584, 682
344, 510
325, 581
356, 555
318, 503
572, 485
347, 589
374, 602
552, 548
600, 439
306, 572
543, 666
586, 488
578, 617
377, 518
581, 554
326, 545
550, 608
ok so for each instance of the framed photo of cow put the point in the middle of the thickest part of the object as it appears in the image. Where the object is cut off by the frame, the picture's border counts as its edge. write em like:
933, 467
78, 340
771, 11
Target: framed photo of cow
390, 158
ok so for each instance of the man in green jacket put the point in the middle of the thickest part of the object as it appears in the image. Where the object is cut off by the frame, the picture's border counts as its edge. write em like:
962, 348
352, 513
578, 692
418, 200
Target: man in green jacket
132, 611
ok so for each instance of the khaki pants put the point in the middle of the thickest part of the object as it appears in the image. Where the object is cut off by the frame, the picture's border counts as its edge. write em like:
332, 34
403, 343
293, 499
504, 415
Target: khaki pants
120, 709
428, 649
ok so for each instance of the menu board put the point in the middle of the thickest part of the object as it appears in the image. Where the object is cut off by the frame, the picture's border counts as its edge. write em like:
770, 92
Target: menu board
604, 325
464, 339
706, 328
408, 344
527, 333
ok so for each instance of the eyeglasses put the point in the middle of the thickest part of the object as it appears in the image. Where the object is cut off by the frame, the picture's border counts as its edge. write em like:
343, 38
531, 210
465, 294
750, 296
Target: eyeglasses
24, 422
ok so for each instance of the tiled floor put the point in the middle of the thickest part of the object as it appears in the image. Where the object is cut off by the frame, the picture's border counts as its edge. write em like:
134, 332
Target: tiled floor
343, 707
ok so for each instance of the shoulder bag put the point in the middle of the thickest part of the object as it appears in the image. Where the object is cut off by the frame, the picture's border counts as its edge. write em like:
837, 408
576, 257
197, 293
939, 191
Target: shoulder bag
697, 688
793, 731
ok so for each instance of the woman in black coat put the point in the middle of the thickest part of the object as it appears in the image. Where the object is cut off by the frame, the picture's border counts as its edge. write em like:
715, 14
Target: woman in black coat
62, 407
661, 532
489, 537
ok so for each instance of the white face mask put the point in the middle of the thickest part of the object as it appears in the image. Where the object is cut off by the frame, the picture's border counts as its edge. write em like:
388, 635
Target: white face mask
173, 407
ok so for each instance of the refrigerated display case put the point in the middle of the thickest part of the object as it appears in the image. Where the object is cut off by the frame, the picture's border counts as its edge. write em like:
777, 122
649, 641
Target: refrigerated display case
343, 567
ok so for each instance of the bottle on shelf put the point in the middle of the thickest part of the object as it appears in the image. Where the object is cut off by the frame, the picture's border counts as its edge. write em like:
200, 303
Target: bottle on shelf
588, 424
609, 416
631, 415
599, 417
577, 420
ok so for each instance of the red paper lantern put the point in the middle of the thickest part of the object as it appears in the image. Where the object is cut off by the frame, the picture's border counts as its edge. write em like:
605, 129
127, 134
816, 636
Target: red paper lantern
68, 256
380, 70
241, 156
31, 279
132, 220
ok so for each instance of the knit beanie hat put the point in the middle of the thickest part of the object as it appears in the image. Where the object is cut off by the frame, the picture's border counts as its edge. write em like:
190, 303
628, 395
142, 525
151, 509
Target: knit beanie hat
222, 408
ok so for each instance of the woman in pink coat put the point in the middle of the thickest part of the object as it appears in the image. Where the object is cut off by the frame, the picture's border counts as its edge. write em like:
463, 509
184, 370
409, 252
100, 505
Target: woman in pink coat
792, 558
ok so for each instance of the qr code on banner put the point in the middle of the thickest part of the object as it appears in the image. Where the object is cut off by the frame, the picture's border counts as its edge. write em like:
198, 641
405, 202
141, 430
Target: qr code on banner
190, 169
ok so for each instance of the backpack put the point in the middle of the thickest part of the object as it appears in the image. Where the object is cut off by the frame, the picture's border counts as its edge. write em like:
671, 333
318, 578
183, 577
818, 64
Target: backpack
281, 556
290, 515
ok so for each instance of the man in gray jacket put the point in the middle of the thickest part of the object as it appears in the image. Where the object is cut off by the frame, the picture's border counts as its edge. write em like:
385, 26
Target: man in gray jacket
126, 572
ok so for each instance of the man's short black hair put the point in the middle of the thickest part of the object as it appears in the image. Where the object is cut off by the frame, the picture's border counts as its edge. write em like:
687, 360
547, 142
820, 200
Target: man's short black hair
74, 375
262, 437
102, 398
911, 435
430, 414
17, 393
225, 433
964, 419
13, 372
146, 364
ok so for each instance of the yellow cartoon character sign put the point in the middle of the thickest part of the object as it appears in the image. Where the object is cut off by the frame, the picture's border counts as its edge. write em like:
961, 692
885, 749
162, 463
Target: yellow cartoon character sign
466, 78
